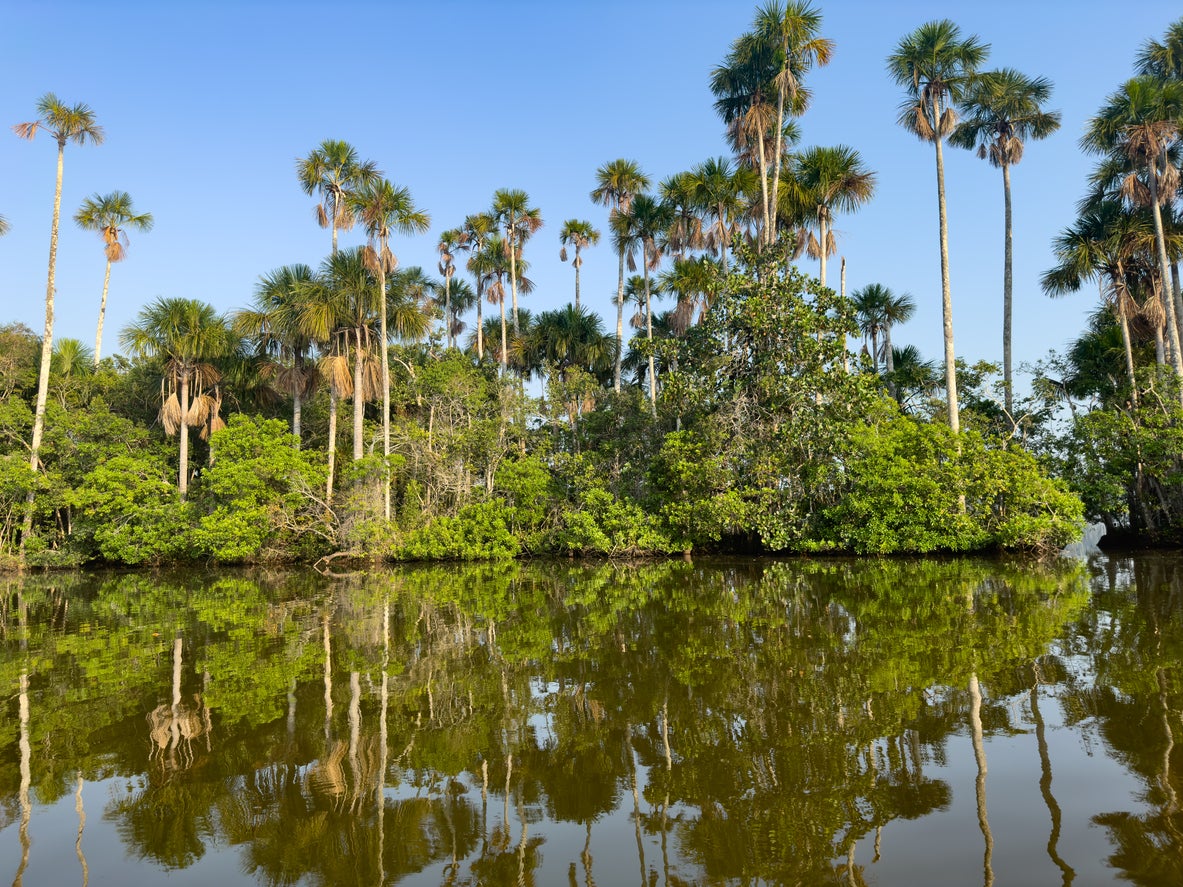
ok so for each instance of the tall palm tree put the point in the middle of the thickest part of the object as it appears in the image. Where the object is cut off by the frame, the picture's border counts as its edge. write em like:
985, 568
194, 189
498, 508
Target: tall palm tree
274, 324
333, 170
449, 242
685, 232
696, 281
1003, 110
829, 180
384, 209
476, 231
462, 298
578, 234
896, 310
1164, 59
651, 220
110, 215
64, 123
512, 210
792, 29
493, 266
1105, 243
572, 336
719, 190
186, 336
934, 65
1142, 122
617, 183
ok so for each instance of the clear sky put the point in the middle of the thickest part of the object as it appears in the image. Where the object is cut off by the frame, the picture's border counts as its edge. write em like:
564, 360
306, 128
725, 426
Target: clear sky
206, 107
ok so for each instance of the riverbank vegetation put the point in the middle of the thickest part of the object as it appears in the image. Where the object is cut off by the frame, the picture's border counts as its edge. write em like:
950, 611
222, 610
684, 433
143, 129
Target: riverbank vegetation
354, 406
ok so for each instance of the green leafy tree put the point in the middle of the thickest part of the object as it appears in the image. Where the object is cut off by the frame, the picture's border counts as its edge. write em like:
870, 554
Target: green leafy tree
109, 215
1003, 111
935, 64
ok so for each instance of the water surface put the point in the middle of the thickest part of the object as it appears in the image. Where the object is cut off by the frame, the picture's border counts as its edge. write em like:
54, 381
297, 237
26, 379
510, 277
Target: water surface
715, 722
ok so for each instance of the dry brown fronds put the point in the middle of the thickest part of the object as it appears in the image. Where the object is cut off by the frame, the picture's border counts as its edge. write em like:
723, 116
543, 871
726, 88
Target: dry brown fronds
170, 414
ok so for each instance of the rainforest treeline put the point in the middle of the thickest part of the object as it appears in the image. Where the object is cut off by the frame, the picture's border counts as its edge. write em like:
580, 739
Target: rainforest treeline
356, 407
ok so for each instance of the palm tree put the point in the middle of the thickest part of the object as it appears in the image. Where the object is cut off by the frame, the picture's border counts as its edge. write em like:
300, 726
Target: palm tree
896, 310
685, 233
4, 227
64, 123
463, 297
186, 336
828, 180
578, 234
1164, 59
934, 65
1105, 242
449, 242
109, 215
275, 325
384, 209
870, 307
651, 219
719, 191
475, 234
572, 336
793, 30
511, 208
334, 171
617, 183
696, 281
1004, 109
1141, 122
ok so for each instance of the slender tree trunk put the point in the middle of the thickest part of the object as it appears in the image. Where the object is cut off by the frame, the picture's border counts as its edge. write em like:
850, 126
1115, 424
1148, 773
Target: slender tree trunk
619, 325
822, 230
504, 337
46, 346
842, 289
946, 293
649, 339
723, 238
1045, 789
332, 454
447, 310
779, 152
480, 320
297, 400
577, 263
183, 433
81, 811
98, 336
1178, 296
1165, 271
385, 385
26, 774
513, 277
1007, 295
1124, 323
380, 792
359, 399
764, 202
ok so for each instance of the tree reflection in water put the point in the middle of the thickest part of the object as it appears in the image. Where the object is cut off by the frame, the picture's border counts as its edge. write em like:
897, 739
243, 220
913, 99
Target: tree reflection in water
738, 722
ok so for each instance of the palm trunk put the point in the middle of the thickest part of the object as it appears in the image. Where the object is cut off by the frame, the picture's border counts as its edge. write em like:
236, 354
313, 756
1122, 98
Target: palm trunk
183, 476
764, 202
504, 344
946, 294
98, 336
778, 153
723, 238
297, 401
1165, 270
513, 280
821, 228
447, 310
385, 384
480, 321
975, 717
619, 325
46, 346
1007, 303
649, 338
359, 400
26, 773
888, 359
577, 263
332, 454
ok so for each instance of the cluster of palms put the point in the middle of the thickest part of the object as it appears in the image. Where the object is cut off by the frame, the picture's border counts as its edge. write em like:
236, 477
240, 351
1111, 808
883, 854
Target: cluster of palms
1128, 234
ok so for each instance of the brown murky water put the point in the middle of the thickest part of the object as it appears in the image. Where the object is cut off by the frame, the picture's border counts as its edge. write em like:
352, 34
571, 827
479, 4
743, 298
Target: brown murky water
721, 722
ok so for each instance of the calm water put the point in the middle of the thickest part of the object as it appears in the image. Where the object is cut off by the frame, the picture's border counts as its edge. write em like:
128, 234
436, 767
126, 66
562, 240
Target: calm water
721, 722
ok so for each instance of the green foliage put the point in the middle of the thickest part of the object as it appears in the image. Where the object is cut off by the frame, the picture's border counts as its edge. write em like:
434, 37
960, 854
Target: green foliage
902, 488
478, 532
259, 497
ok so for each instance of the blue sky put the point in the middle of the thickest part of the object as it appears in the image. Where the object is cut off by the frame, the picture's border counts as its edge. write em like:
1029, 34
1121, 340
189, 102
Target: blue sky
206, 107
